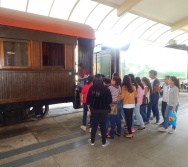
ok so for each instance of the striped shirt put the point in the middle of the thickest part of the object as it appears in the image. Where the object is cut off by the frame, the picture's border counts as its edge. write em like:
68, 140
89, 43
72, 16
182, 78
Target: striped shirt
115, 92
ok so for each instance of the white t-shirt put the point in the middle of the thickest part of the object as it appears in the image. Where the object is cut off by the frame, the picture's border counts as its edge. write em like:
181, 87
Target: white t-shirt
129, 106
148, 93
165, 93
152, 81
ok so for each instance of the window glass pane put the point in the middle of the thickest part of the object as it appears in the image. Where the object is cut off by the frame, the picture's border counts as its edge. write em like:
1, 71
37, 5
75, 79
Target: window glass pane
151, 31
39, 6
110, 20
15, 53
186, 42
182, 38
158, 33
82, 10
142, 28
14, 4
123, 22
174, 34
62, 8
53, 54
97, 15
133, 26
163, 36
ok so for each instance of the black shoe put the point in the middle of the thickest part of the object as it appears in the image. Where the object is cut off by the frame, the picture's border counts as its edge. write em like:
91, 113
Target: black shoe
141, 128
118, 134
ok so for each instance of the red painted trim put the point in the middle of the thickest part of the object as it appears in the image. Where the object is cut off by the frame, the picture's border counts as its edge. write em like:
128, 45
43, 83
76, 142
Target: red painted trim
43, 23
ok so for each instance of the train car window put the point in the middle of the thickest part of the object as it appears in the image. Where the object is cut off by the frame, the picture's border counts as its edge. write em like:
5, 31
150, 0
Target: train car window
53, 54
15, 53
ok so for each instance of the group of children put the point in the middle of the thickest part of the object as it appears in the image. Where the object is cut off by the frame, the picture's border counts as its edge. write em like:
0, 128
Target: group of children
133, 99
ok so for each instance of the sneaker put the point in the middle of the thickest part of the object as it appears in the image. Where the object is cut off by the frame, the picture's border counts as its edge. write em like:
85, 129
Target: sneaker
157, 123
133, 130
162, 129
141, 128
162, 124
83, 127
107, 143
171, 131
89, 141
152, 118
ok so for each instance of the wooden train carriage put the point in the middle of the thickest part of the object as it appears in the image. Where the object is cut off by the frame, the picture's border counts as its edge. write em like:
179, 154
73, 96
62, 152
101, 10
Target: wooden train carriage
37, 60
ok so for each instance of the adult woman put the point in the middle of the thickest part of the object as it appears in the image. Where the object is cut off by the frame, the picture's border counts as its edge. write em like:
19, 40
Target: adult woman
115, 90
128, 96
134, 83
164, 90
98, 100
172, 103
139, 91
84, 93
147, 90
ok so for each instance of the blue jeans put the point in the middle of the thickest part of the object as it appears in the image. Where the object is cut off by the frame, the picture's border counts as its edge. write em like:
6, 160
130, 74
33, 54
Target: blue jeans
118, 117
153, 105
168, 108
84, 119
85, 109
112, 119
138, 115
143, 113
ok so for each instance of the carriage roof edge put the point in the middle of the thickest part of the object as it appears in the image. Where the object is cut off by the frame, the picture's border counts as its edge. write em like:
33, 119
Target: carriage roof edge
25, 20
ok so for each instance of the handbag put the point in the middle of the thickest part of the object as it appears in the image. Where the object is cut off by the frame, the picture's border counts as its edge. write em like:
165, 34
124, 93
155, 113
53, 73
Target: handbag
145, 100
113, 109
172, 118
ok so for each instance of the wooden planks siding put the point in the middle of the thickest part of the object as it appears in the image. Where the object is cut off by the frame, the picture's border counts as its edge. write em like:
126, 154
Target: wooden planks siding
19, 86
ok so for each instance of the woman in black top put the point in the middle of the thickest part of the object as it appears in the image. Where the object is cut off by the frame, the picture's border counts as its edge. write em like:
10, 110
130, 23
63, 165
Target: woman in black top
98, 101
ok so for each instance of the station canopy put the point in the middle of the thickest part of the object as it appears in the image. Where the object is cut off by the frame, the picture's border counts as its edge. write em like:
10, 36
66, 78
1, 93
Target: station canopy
117, 21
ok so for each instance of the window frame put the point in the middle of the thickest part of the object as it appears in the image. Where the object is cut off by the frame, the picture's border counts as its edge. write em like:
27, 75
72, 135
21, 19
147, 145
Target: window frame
63, 67
2, 56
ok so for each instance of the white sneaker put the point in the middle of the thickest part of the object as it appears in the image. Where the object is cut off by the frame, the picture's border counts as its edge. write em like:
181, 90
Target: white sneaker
162, 129
171, 131
89, 141
157, 123
83, 127
107, 143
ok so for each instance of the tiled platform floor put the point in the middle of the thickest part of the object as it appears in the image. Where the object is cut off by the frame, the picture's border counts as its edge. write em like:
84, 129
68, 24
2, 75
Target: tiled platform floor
57, 141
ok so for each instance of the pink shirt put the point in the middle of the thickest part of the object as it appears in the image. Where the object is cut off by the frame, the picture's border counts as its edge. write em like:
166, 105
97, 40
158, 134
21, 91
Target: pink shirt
85, 90
140, 95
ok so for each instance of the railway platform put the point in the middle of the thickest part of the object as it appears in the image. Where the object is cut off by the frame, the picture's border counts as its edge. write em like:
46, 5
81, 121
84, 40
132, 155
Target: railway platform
58, 141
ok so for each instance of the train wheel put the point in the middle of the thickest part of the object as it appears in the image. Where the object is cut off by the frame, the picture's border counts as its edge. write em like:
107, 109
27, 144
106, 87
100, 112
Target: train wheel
38, 111
45, 109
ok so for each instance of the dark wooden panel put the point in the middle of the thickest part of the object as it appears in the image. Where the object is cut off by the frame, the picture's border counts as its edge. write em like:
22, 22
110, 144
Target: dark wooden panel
17, 86
69, 56
36, 54
85, 53
21, 33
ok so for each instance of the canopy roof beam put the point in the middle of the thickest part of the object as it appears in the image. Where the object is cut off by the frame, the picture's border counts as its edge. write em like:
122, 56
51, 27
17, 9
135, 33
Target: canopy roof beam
126, 6
180, 24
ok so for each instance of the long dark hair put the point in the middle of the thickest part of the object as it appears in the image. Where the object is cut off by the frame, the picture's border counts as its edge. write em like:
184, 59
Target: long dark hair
176, 81
117, 80
97, 85
98, 81
127, 83
138, 80
115, 74
146, 80
89, 79
133, 81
